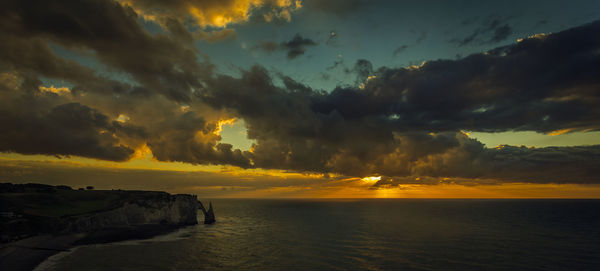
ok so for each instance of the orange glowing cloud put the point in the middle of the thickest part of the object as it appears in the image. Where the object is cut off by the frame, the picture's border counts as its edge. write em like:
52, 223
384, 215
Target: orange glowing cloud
56, 90
214, 13
560, 132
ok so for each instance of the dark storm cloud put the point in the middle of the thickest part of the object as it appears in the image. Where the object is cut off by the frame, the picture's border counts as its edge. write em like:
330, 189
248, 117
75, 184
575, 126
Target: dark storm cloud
113, 33
165, 64
297, 46
363, 68
188, 138
508, 88
66, 129
33, 57
501, 33
179, 31
395, 122
384, 128
471, 160
294, 47
338, 63
42, 122
422, 35
400, 49
492, 31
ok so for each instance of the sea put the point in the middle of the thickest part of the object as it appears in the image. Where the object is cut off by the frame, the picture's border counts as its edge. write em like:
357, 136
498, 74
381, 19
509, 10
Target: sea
365, 234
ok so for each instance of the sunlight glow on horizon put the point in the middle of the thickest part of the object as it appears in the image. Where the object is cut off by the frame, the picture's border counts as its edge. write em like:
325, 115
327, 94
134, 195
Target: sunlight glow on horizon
258, 183
371, 179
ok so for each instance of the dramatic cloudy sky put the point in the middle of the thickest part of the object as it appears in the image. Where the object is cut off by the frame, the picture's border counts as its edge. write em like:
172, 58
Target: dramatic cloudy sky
305, 98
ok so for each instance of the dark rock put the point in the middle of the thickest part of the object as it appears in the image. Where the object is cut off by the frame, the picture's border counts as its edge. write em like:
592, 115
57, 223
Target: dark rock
209, 216
64, 187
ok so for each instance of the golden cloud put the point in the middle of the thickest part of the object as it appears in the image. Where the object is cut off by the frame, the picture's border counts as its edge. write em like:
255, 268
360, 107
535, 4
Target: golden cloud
56, 90
213, 13
561, 132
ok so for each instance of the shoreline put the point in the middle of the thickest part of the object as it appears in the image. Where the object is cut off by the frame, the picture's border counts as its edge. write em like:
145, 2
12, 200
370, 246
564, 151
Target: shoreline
58, 218
31, 252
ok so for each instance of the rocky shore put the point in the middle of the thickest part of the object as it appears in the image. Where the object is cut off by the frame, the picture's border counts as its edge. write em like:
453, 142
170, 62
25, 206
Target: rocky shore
41, 220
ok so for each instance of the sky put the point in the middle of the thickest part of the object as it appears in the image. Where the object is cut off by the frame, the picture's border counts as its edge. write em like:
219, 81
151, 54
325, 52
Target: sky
305, 98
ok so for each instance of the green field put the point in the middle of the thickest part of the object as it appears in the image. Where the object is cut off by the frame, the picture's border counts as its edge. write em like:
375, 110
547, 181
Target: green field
53, 203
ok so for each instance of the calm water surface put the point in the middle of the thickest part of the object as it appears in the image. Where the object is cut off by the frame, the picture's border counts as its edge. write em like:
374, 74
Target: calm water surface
367, 235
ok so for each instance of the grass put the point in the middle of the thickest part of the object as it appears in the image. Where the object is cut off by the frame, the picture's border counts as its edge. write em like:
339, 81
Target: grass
59, 203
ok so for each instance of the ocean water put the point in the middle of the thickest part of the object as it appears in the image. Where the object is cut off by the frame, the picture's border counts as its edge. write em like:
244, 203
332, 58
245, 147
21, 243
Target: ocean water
398, 234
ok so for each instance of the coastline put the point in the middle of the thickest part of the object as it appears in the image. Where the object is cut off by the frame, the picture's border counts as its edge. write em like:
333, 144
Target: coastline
26, 254
39, 220
31, 252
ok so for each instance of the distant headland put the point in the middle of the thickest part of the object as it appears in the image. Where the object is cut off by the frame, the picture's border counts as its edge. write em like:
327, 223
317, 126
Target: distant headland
38, 220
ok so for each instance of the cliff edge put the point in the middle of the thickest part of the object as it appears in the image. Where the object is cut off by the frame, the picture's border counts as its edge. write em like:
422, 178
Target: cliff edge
156, 208
33, 209
37, 220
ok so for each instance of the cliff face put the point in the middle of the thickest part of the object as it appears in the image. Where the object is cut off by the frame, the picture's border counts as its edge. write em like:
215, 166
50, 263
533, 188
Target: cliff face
160, 208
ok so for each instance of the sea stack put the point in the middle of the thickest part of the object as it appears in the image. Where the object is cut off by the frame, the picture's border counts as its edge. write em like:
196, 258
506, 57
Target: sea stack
209, 216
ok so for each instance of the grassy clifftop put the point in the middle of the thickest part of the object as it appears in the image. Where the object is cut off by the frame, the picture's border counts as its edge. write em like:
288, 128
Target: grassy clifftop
58, 201
30, 209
